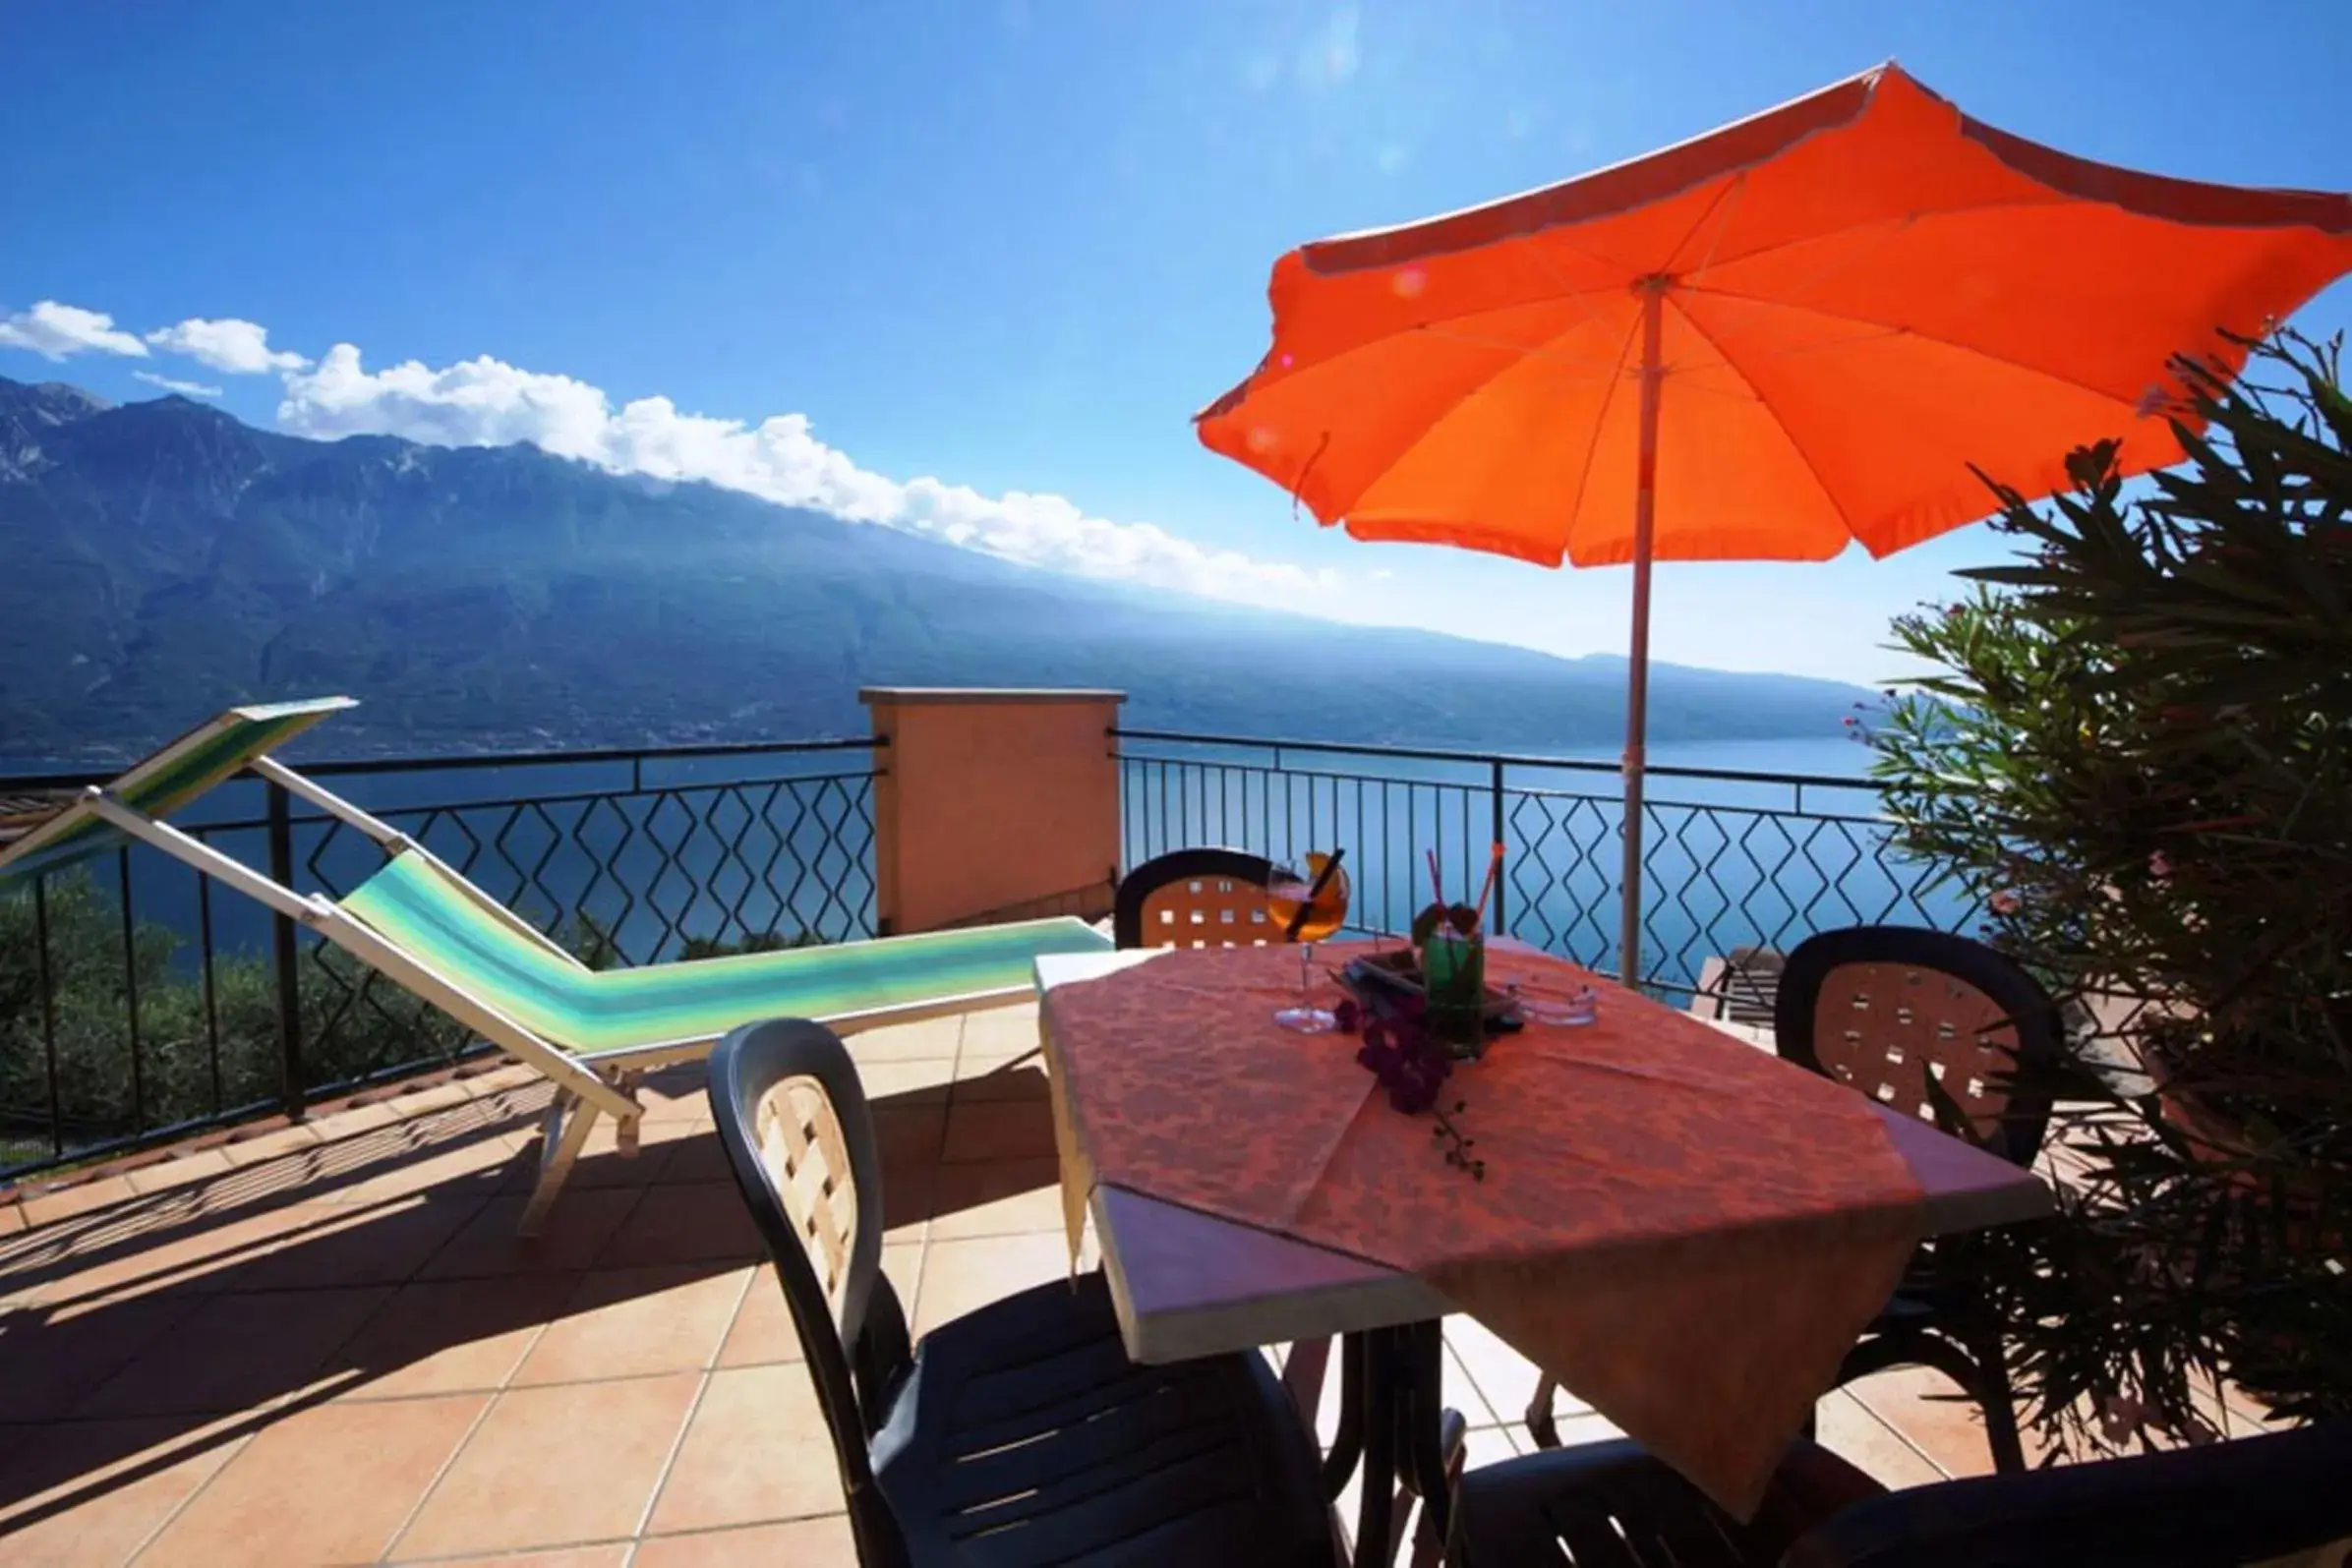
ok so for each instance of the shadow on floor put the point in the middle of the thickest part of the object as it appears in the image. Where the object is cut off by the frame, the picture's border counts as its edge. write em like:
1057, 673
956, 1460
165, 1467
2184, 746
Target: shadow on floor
142, 1333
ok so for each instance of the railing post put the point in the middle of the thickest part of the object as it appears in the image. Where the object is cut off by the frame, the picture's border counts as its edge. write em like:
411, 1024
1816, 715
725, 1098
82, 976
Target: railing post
1503, 875
49, 982
284, 954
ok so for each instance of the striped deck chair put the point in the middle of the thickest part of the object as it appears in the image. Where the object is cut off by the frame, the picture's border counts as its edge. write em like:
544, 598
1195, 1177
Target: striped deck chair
592, 1033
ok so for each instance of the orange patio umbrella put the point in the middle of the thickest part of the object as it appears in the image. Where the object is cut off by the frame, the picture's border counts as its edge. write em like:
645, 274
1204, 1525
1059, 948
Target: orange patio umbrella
1788, 335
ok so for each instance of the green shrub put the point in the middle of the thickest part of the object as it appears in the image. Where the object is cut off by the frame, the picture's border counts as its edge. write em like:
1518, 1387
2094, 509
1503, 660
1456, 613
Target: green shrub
2138, 753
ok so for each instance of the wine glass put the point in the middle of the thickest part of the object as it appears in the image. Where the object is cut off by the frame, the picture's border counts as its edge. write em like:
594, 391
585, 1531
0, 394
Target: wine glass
1308, 906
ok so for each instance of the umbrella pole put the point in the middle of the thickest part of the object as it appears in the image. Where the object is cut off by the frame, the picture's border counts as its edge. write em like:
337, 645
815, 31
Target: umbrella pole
1637, 672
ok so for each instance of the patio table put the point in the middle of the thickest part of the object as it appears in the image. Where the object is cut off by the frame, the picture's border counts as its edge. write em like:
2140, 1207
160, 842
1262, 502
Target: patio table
1686, 1231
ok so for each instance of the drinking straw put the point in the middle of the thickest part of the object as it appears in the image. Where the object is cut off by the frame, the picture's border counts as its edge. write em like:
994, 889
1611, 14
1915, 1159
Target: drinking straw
1436, 883
1322, 880
1477, 910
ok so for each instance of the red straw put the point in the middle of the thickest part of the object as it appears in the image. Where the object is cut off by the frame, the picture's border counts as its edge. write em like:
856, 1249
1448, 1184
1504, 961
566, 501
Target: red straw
1493, 868
1436, 883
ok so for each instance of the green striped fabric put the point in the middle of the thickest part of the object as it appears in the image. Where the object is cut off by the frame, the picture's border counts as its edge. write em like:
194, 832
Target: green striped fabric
167, 781
414, 904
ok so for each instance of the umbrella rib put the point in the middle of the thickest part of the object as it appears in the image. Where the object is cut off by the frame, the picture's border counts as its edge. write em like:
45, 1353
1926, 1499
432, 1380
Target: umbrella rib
1897, 328
1837, 507
1584, 470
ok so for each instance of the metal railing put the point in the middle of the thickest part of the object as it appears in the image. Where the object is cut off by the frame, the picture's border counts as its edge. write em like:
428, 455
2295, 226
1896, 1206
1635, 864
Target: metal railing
138, 1005
1732, 858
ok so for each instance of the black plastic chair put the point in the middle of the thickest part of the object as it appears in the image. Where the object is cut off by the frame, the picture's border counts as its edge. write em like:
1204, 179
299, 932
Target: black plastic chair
1195, 899
1021, 1433
1610, 1505
1879, 1007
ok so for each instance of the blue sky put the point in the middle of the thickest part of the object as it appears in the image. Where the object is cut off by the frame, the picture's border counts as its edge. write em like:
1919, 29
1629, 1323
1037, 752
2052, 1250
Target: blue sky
1008, 245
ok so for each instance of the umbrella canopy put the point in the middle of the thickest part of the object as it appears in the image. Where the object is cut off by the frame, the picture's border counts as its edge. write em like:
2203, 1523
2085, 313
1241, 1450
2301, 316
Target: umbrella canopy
1795, 333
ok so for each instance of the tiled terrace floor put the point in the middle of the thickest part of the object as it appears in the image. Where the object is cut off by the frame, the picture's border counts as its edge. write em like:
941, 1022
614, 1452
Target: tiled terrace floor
326, 1345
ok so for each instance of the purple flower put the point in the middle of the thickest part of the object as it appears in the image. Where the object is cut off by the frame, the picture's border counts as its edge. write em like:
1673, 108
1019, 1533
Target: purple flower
1348, 1015
1414, 1089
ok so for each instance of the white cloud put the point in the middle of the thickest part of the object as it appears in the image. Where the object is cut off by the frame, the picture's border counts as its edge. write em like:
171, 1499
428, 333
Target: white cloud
238, 348
184, 388
486, 402
56, 331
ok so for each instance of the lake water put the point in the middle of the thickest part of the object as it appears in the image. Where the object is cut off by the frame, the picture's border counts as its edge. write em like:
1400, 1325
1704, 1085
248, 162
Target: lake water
715, 848
1790, 846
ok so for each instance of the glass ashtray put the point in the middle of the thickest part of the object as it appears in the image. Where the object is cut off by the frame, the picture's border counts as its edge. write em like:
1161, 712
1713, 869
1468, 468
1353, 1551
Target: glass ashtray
1558, 1009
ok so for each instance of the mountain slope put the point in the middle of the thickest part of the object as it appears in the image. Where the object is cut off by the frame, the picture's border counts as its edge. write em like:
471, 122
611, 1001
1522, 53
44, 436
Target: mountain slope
164, 561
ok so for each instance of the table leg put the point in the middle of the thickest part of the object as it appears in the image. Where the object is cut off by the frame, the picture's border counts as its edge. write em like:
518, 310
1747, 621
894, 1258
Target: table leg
1421, 1438
1375, 1526
1347, 1443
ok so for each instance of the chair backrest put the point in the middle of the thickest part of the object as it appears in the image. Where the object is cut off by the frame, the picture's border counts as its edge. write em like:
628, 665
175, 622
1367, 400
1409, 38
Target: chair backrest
800, 1139
1881, 1006
2228, 1505
1195, 898
167, 779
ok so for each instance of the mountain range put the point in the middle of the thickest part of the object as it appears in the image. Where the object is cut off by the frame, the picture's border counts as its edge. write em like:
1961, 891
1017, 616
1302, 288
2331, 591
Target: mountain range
164, 561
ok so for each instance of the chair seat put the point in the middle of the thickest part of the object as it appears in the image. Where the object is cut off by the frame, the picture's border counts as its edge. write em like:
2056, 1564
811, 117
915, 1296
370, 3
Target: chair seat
1023, 1435
1611, 1505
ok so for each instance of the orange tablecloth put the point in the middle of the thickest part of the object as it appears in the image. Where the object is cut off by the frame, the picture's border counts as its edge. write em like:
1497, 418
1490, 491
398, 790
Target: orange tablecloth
1686, 1232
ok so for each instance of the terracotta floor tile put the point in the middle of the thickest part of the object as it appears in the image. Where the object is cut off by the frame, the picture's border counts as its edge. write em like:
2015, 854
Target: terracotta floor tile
1505, 1379
12, 1218
993, 1034
634, 1321
83, 1197
83, 1492
200, 1165
803, 1544
480, 1166
908, 1138
1021, 1078
1457, 1391
1925, 1408
353, 1119
1585, 1428
611, 1556
906, 1042
451, 1336
909, 1203
419, 1099
756, 1449
50, 1364
552, 1467
331, 1483
351, 1245
679, 1090
999, 1197
198, 1252
959, 1276
236, 1352
903, 1266
762, 1333
998, 1130
276, 1143
697, 1157
1849, 1429
608, 1556
1489, 1445
602, 1164
577, 1229
706, 1222
919, 1081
